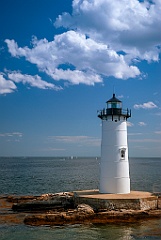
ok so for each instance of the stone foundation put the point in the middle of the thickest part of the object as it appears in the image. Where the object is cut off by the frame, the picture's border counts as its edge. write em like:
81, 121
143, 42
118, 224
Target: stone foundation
159, 202
133, 201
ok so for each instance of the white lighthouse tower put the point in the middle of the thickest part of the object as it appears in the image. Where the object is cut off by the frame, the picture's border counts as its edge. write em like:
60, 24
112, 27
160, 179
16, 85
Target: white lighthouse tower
114, 166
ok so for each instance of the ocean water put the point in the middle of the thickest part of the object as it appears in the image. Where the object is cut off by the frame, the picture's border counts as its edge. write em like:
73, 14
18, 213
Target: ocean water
30, 175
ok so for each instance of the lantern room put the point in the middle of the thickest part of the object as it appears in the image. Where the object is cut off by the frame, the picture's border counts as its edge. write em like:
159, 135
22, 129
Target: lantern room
114, 108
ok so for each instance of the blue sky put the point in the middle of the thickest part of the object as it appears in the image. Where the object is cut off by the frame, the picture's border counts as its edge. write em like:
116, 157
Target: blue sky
59, 63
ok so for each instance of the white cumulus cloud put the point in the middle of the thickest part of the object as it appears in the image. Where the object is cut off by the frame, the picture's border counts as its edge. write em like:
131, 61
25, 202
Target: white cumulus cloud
6, 86
147, 105
130, 26
76, 76
83, 56
101, 38
33, 81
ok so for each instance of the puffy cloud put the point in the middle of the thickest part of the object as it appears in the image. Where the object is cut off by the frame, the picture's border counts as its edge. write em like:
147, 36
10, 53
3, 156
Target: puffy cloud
102, 38
148, 105
33, 81
84, 57
120, 96
142, 124
129, 124
6, 86
131, 26
14, 49
76, 76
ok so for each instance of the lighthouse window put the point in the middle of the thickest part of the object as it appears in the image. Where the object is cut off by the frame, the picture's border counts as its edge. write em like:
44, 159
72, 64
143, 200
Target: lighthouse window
113, 105
122, 154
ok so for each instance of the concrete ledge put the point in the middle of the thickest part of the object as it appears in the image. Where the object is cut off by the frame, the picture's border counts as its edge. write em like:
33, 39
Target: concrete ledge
135, 200
159, 202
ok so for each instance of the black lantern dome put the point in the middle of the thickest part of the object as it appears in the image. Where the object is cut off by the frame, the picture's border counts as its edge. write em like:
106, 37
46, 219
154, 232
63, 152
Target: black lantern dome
114, 108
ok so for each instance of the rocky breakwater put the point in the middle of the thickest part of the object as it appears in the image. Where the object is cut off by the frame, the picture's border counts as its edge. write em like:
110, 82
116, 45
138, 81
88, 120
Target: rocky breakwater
62, 208
45, 202
51, 209
81, 214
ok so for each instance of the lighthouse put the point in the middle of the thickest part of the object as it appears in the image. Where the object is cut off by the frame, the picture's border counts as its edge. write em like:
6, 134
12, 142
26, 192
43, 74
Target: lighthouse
114, 165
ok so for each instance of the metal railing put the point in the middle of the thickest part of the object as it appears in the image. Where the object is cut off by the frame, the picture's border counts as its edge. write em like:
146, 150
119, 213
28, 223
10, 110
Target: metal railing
114, 111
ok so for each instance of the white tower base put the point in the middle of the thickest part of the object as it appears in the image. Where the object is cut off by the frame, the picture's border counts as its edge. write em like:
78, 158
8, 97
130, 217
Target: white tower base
115, 185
